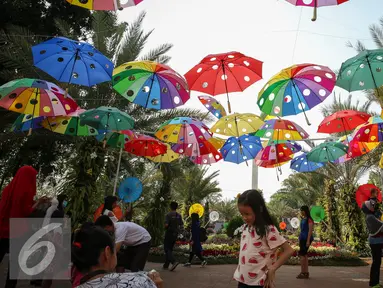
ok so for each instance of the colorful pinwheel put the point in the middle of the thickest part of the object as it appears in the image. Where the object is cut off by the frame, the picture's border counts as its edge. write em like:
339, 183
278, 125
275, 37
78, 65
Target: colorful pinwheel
371, 131
145, 146
342, 121
213, 106
24, 123
301, 164
241, 149
168, 157
279, 129
224, 73
104, 5
327, 152
237, 124
150, 85
72, 61
181, 130
315, 4
296, 89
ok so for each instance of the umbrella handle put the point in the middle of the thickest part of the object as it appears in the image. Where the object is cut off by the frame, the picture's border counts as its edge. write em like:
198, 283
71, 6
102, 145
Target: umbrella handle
228, 105
30, 130
66, 92
117, 172
315, 13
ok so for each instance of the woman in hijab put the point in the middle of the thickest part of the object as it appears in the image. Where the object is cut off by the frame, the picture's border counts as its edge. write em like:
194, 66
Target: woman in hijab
16, 202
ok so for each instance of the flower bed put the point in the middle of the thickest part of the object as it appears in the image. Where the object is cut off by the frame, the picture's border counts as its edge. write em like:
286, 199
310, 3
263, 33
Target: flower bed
320, 254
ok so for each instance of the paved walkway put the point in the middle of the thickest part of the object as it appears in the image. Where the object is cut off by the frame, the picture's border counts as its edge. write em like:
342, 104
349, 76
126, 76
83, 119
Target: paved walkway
220, 276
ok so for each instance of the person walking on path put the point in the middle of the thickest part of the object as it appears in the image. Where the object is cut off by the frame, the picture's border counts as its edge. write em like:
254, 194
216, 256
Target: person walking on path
173, 226
195, 243
260, 241
375, 239
305, 239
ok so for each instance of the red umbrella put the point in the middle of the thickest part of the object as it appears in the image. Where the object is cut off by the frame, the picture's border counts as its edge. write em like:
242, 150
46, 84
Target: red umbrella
342, 121
363, 193
224, 73
145, 146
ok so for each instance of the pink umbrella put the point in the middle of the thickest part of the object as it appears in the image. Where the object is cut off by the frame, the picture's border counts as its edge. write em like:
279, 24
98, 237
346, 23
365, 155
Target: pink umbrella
316, 4
104, 5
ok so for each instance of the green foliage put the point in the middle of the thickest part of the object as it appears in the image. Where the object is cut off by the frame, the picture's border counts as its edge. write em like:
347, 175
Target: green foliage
226, 208
234, 223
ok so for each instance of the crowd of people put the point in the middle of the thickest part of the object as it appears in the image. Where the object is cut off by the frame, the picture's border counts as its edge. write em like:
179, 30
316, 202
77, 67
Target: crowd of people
102, 251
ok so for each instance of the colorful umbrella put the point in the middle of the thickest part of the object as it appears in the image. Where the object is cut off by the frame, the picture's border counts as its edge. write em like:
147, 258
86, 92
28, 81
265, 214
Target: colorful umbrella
213, 106
115, 139
281, 151
195, 149
151, 85
168, 157
301, 164
316, 4
317, 213
371, 131
107, 118
342, 121
270, 163
237, 124
24, 123
72, 61
241, 149
357, 148
217, 142
279, 129
362, 71
207, 159
364, 193
145, 146
327, 152
296, 89
224, 73
197, 208
183, 130
105, 5
130, 189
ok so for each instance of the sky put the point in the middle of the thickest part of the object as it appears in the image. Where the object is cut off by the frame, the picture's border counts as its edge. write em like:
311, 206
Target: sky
272, 31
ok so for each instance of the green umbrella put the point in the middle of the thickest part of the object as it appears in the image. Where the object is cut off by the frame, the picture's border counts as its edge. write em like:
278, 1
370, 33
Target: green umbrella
364, 71
317, 213
327, 152
115, 139
107, 118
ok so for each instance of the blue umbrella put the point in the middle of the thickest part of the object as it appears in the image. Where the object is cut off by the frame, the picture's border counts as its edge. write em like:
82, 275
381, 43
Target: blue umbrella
241, 149
301, 164
72, 61
130, 189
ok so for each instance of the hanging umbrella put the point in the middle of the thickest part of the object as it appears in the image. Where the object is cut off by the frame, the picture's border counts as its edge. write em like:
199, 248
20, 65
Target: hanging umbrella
270, 163
24, 123
72, 61
356, 148
195, 149
183, 130
145, 146
364, 193
151, 85
237, 124
213, 106
224, 73
296, 89
279, 129
69, 125
168, 157
281, 151
342, 121
130, 189
301, 164
105, 5
241, 149
36, 98
115, 139
362, 71
217, 142
207, 159
315, 4
327, 152
371, 131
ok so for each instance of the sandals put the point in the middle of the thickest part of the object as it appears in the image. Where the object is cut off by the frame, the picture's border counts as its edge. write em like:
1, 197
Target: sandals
303, 276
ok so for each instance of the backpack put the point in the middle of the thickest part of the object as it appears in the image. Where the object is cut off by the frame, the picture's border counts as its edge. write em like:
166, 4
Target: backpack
202, 234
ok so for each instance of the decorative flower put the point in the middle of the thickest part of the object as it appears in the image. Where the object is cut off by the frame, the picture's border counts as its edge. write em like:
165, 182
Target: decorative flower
93, 155
162, 199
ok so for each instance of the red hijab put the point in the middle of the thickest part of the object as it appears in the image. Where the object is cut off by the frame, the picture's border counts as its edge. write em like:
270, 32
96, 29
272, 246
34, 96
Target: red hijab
17, 198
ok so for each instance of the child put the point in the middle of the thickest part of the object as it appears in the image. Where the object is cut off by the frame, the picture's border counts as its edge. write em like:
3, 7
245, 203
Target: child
259, 243
306, 237
195, 243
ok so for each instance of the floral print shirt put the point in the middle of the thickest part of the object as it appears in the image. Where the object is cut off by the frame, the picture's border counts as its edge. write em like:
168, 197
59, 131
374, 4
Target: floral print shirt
117, 280
256, 255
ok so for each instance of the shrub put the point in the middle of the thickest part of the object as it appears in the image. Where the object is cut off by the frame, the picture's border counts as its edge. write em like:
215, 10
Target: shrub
234, 223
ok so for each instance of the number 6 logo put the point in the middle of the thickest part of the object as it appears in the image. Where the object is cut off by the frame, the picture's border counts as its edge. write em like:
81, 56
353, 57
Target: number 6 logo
31, 246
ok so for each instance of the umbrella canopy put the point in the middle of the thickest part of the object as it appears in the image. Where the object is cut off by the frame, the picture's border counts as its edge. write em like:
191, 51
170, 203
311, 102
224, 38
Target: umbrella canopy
356, 148
107, 118
241, 149
115, 139
342, 121
168, 157
182, 130
24, 123
270, 163
104, 5
237, 124
327, 152
217, 142
130, 189
151, 85
195, 149
145, 146
72, 61
207, 159
279, 129
36, 97
224, 73
371, 131
301, 164
198, 209
315, 4
364, 193
281, 151
213, 106
362, 71
317, 213
296, 89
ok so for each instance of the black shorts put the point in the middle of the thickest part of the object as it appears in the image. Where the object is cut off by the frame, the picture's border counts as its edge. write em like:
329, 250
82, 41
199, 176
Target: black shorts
303, 249
133, 258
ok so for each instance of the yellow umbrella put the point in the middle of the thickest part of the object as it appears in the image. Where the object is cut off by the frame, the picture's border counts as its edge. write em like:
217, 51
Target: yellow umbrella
237, 124
168, 157
216, 142
197, 208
